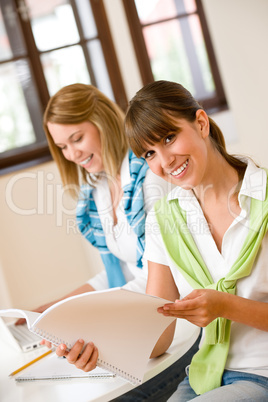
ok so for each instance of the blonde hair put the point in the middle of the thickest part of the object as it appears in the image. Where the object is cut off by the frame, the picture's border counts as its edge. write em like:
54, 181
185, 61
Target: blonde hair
76, 104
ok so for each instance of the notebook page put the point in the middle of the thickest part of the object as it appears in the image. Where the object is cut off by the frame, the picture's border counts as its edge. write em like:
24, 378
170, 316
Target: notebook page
124, 325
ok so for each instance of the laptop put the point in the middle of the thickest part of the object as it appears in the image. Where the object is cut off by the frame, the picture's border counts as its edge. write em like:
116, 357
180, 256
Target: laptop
19, 336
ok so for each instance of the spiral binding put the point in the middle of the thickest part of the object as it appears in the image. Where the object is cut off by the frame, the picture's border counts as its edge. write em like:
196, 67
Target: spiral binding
134, 380
56, 378
50, 338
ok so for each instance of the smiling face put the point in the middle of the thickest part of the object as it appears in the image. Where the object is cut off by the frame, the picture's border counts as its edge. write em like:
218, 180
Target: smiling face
181, 156
79, 143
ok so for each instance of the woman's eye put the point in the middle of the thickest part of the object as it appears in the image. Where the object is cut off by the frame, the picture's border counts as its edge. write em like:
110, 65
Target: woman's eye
62, 148
148, 154
169, 138
78, 139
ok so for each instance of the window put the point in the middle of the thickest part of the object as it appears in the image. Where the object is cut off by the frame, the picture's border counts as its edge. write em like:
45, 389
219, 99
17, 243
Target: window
172, 42
45, 45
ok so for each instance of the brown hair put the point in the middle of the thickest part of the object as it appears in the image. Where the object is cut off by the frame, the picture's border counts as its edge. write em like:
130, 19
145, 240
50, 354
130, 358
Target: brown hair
76, 104
149, 118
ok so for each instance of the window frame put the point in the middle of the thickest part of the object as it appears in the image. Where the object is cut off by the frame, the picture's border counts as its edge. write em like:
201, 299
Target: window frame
215, 104
38, 152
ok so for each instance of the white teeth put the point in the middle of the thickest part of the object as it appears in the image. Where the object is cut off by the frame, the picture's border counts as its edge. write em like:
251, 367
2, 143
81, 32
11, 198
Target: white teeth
86, 160
181, 169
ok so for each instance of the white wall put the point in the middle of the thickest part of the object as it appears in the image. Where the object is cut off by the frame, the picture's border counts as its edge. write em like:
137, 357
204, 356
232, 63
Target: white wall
239, 33
41, 256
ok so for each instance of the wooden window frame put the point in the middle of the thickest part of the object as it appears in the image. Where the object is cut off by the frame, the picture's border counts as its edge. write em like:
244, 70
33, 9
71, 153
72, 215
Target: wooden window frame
214, 104
37, 153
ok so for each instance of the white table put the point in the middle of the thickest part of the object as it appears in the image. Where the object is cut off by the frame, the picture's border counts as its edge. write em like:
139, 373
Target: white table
82, 390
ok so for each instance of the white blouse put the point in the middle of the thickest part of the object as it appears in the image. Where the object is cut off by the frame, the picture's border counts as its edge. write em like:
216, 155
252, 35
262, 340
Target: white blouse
248, 346
120, 238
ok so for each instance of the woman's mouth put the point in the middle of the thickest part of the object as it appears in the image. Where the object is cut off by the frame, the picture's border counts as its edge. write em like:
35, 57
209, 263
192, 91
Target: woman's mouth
86, 161
180, 169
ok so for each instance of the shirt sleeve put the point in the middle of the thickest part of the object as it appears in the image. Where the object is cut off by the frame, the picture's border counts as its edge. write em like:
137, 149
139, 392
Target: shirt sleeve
99, 281
139, 283
154, 246
154, 188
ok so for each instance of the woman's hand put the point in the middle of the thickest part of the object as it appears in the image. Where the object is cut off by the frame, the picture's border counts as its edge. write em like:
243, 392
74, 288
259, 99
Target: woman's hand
200, 307
46, 343
84, 359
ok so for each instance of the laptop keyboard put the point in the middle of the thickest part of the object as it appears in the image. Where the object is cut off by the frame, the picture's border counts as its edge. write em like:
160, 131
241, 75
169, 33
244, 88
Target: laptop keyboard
22, 334
25, 338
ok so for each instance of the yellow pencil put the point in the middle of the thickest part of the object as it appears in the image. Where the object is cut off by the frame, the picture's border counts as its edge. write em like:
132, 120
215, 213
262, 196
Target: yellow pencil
31, 362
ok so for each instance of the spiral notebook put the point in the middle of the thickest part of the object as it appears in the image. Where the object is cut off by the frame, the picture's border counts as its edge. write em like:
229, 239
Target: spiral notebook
57, 368
124, 325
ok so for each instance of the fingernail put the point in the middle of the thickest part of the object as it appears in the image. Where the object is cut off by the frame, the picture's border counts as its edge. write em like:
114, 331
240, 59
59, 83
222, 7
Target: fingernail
81, 341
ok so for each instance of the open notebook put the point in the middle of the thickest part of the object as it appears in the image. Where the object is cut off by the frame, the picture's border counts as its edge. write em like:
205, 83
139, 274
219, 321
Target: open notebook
124, 325
53, 367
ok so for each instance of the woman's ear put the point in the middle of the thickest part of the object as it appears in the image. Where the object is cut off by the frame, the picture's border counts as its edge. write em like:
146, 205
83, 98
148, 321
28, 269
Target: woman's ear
202, 121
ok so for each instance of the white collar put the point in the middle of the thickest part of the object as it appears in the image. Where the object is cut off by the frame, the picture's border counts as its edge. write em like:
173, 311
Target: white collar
101, 192
254, 182
253, 186
125, 172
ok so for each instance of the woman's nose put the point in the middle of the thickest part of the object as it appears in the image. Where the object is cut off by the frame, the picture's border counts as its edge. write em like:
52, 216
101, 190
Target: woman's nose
73, 154
167, 160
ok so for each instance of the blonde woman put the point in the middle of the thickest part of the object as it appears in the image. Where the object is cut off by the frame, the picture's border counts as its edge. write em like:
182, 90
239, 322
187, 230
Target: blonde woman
114, 189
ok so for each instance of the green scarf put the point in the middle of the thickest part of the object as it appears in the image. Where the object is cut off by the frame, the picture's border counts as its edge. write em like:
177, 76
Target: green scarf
208, 363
